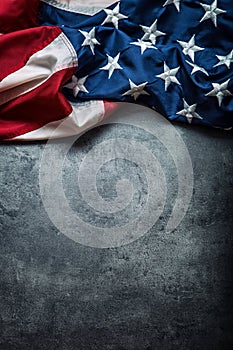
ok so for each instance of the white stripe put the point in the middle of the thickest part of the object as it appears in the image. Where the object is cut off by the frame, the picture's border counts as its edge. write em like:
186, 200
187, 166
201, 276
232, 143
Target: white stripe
84, 7
84, 116
58, 55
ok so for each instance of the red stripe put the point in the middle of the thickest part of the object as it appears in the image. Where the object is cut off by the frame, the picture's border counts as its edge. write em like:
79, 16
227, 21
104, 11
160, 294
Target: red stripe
36, 108
16, 48
18, 14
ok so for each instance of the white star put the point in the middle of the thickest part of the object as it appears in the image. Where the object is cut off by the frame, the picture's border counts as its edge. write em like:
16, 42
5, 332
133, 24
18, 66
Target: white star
169, 76
90, 39
112, 65
196, 68
189, 112
144, 45
211, 12
113, 16
151, 33
136, 90
190, 48
220, 91
77, 85
175, 2
227, 60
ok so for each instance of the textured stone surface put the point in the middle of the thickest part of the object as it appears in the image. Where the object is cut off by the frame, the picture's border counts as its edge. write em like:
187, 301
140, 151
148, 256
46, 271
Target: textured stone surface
162, 292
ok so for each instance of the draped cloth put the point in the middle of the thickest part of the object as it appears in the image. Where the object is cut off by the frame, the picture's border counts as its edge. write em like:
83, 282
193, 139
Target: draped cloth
76, 60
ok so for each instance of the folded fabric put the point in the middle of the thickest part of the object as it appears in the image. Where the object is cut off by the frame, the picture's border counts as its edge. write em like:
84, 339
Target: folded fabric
32, 105
173, 56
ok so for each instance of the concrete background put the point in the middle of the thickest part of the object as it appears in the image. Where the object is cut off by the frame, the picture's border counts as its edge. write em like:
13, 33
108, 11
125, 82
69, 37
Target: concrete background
162, 292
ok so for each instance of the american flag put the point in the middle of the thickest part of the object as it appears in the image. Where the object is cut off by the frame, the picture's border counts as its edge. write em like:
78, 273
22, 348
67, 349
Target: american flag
76, 60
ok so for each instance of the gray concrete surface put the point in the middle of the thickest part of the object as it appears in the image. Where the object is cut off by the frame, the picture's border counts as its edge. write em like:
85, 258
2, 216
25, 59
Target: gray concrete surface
161, 292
